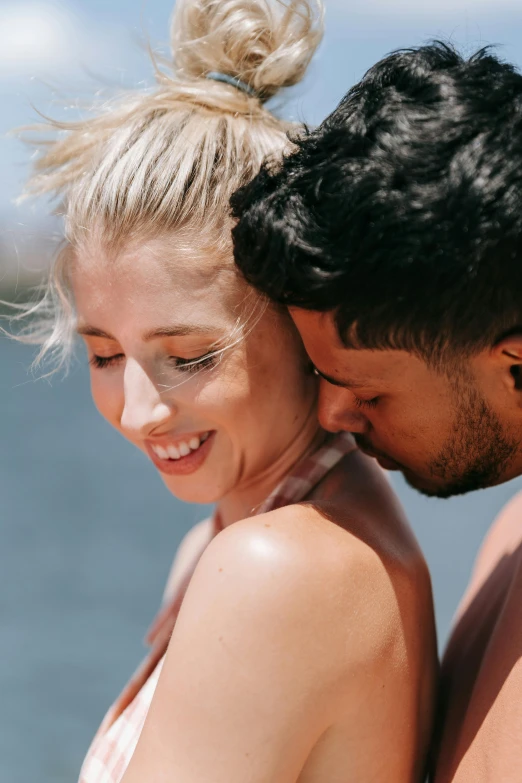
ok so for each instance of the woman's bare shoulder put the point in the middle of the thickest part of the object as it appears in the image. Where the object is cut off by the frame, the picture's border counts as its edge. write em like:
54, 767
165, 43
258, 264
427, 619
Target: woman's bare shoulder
276, 619
358, 497
284, 613
297, 567
358, 488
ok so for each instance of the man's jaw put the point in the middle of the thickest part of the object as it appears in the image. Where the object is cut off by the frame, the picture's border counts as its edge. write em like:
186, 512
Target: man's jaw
430, 487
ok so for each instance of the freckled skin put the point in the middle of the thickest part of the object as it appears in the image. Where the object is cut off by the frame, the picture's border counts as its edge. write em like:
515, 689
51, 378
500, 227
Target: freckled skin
305, 646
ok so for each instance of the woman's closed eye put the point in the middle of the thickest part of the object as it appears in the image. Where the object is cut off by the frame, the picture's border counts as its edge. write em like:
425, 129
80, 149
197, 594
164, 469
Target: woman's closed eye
195, 365
101, 362
184, 365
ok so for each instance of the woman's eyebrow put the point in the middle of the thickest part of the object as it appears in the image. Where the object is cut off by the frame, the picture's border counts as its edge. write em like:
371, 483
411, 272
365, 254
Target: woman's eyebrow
181, 330
177, 330
92, 331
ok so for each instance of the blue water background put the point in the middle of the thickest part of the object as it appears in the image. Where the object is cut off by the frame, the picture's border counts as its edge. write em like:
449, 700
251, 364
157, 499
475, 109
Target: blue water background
87, 534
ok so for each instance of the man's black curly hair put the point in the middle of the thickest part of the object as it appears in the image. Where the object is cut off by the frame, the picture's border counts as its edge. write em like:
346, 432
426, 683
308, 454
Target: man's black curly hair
402, 212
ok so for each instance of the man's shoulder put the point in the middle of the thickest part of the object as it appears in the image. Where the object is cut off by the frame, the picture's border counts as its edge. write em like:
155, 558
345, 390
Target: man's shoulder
500, 554
505, 534
482, 671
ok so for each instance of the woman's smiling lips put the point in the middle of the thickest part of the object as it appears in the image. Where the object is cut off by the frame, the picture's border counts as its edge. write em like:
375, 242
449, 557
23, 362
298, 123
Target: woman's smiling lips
182, 456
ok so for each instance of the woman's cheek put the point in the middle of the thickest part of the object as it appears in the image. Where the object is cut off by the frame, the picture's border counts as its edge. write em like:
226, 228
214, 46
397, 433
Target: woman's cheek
107, 395
224, 393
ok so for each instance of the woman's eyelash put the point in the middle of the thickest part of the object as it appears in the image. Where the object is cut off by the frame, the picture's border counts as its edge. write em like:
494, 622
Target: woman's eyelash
366, 403
185, 365
194, 365
100, 362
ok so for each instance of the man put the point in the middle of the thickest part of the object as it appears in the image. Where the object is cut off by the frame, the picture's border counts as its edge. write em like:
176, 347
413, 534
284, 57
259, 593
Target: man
393, 233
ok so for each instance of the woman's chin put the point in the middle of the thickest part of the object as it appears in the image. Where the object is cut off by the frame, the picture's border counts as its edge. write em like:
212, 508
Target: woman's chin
193, 490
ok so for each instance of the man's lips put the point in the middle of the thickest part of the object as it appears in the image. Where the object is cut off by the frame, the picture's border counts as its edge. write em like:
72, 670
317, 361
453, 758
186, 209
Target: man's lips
387, 463
384, 461
184, 465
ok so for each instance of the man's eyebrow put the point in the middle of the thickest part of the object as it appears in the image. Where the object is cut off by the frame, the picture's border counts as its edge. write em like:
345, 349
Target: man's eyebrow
177, 330
346, 384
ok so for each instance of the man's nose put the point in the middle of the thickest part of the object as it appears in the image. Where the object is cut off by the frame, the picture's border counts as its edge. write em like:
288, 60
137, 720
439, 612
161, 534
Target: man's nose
145, 408
338, 410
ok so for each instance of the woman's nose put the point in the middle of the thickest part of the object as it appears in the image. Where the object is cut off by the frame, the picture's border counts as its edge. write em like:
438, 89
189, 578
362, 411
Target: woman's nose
338, 411
144, 407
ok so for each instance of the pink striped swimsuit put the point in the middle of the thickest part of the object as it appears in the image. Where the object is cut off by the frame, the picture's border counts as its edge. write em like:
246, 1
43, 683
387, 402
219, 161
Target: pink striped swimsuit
115, 742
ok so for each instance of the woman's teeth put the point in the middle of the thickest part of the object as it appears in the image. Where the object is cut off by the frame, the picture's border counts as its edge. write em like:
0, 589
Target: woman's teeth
183, 448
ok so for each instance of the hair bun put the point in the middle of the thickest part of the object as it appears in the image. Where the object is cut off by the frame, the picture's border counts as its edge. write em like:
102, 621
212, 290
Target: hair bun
267, 44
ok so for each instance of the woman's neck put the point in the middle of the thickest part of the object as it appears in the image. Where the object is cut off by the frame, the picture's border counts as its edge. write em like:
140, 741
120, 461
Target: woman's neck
244, 499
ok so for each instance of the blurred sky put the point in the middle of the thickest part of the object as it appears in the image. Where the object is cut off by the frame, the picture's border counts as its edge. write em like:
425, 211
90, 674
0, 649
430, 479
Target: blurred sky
53, 52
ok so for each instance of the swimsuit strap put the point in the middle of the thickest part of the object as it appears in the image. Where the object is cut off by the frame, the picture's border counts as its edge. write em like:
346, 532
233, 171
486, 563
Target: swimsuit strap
309, 472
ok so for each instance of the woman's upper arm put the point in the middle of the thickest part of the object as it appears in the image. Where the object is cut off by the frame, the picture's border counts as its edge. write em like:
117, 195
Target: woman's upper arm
252, 675
191, 545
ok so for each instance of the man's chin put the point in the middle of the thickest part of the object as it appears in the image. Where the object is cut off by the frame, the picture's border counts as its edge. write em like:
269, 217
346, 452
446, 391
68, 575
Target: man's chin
423, 485
434, 486
442, 489
425, 488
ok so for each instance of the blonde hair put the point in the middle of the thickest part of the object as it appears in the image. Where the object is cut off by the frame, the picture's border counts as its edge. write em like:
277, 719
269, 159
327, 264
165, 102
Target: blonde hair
169, 159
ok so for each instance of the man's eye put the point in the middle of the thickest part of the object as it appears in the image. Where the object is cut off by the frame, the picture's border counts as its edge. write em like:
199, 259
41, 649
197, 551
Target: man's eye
101, 362
366, 403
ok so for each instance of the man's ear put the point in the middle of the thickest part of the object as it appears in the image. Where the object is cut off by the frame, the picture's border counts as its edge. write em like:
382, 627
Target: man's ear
509, 353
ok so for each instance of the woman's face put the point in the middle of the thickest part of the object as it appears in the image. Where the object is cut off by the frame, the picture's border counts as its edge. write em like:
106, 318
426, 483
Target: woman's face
210, 427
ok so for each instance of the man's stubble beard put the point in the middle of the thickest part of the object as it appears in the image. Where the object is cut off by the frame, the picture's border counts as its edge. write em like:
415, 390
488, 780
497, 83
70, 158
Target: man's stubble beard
478, 453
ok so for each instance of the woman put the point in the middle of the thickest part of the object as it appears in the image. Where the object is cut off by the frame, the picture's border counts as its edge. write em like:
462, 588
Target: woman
300, 620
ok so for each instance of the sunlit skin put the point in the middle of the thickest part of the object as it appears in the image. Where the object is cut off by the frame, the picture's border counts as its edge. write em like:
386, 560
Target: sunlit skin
446, 435
260, 429
305, 646
408, 415
481, 710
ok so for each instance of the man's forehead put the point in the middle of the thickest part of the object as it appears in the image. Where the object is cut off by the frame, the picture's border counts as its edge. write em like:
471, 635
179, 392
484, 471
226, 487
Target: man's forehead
316, 326
353, 367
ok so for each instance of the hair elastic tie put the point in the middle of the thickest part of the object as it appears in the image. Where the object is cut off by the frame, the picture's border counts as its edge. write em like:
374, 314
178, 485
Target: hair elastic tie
233, 81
